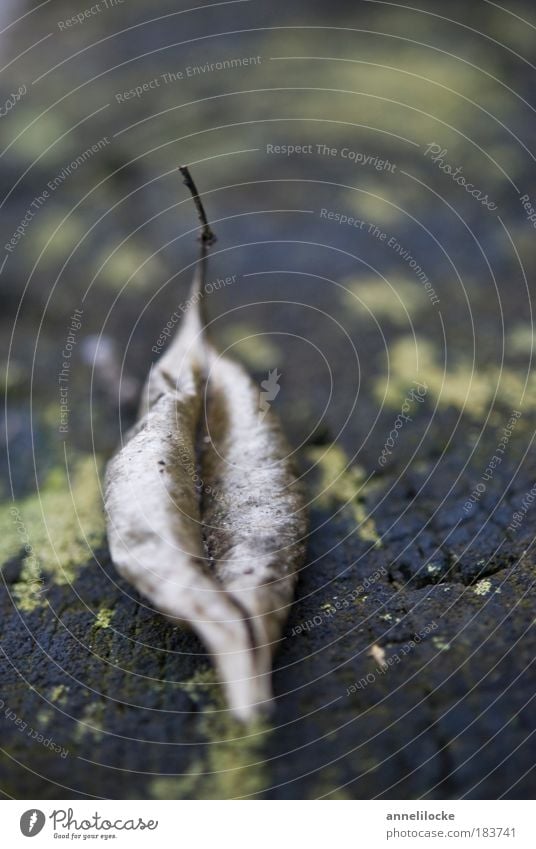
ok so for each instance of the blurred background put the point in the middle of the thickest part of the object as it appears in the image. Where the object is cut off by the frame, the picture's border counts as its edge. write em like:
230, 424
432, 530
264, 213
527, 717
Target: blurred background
368, 168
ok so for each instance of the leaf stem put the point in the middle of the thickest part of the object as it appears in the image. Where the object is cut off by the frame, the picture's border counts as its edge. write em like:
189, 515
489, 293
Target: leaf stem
207, 236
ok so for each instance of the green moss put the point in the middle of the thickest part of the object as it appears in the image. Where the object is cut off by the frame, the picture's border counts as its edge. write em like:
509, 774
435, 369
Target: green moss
232, 765
57, 528
341, 484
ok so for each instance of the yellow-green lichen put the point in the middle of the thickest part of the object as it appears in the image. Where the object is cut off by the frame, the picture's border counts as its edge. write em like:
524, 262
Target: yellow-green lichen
56, 530
59, 235
397, 299
254, 349
482, 587
520, 340
43, 717
326, 783
13, 376
459, 384
58, 695
232, 764
91, 722
48, 130
343, 484
131, 263
103, 618
371, 207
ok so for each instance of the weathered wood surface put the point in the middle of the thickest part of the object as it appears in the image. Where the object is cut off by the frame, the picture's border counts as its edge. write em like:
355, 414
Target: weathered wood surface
394, 556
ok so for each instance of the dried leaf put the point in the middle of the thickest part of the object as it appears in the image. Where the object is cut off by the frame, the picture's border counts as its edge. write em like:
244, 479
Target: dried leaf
205, 516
